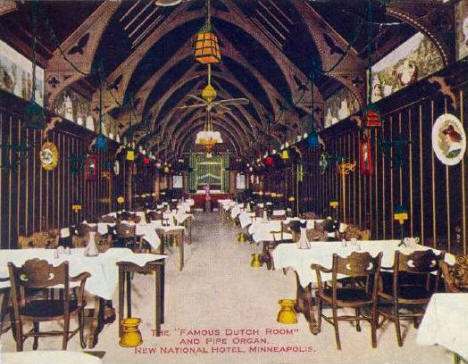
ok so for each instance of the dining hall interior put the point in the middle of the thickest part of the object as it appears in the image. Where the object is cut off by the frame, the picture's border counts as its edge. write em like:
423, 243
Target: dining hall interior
240, 181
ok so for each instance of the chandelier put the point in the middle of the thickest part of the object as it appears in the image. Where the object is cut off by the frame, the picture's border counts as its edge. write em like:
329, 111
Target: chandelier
208, 138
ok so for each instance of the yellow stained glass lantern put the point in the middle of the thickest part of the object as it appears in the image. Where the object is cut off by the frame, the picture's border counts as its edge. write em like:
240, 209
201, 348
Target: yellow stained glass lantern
285, 154
334, 204
400, 214
206, 46
76, 207
130, 155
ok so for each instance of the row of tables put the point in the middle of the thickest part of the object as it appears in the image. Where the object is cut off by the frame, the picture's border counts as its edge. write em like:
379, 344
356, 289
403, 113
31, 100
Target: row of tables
446, 319
112, 269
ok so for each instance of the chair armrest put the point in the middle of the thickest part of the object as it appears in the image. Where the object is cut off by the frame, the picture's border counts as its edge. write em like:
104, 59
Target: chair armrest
320, 268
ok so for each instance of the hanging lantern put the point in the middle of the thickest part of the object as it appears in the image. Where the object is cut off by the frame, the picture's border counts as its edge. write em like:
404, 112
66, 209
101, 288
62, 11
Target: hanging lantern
146, 161
269, 161
334, 204
130, 155
372, 116
312, 140
400, 214
166, 169
285, 154
34, 116
206, 43
101, 142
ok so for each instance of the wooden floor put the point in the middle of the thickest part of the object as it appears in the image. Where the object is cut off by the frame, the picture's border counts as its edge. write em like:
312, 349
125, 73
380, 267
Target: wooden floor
217, 295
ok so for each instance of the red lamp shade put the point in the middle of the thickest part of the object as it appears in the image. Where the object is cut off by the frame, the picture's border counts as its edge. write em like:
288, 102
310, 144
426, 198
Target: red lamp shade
372, 117
269, 161
206, 46
146, 161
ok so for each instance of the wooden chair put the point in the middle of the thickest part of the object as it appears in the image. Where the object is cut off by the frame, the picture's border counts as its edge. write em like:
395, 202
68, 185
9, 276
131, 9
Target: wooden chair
36, 274
356, 265
455, 276
413, 280
126, 236
5, 306
43, 239
355, 232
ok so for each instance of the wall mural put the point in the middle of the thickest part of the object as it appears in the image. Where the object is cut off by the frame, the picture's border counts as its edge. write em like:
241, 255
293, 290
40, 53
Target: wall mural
411, 61
16, 75
74, 107
461, 26
339, 106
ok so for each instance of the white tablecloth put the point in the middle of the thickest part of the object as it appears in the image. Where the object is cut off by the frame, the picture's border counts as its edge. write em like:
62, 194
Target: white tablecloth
236, 210
446, 323
48, 357
146, 231
261, 230
245, 218
103, 268
289, 255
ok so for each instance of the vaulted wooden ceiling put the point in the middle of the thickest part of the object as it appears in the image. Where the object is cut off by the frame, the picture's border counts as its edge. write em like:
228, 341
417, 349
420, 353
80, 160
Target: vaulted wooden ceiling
268, 48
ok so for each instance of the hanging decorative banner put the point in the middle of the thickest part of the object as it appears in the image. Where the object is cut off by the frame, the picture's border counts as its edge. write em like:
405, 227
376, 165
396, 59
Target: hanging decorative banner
448, 139
48, 156
90, 168
76, 163
365, 156
397, 155
323, 162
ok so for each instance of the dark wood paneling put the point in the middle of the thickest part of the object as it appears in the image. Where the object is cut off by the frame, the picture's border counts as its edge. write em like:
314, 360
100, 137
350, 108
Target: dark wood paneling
32, 199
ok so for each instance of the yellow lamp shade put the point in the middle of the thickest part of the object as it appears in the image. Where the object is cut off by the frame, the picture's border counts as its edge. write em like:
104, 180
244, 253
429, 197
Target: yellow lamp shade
207, 47
285, 154
209, 93
166, 169
130, 155
334, 204
120, 200
291, 199
273, 194
76, 207
401, 217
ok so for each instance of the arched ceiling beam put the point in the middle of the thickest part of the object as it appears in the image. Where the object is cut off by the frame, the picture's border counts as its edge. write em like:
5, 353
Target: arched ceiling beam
433, 19
187, 51
351, 67
60, 74
179, 17
7, 6
253, 122
188, 115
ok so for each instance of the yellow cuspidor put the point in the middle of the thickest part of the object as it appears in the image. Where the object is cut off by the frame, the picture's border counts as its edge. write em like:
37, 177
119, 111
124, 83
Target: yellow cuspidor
286, 314
256, 263
131, 335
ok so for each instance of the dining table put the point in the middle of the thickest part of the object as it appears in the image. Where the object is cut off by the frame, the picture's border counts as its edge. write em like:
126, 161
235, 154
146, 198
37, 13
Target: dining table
103, 269
290, 256
445, 323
